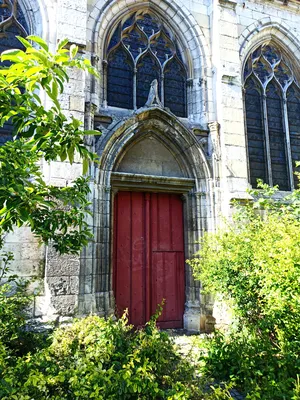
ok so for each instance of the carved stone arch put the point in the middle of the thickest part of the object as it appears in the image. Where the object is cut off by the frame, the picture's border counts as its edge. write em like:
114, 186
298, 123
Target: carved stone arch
107, 13
172, 131
270, 30
194, 184
37, 14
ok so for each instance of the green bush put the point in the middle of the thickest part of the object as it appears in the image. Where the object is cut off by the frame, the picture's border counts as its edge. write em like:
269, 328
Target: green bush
15, 338
91, 358
255, 265
103, 359
252, 364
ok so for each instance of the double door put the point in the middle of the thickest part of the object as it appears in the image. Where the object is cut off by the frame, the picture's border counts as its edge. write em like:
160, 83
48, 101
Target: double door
149, 256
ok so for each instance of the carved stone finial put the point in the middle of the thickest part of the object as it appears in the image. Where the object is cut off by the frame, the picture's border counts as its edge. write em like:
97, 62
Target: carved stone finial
153, 98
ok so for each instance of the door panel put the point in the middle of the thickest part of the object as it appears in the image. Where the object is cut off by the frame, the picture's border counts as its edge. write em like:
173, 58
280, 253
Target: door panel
168, 278
129, 279
149, 256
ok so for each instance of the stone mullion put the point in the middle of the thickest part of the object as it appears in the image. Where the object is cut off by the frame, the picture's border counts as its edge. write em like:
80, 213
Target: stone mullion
267, 140
162, 96
104, 88
189, 96
134, 88
288, 142
215, 151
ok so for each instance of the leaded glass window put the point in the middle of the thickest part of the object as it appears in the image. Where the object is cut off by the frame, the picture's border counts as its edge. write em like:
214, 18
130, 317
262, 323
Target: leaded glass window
272, 106
12, 24
140, 50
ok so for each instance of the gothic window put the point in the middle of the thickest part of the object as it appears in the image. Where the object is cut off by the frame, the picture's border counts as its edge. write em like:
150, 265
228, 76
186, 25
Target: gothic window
140, 50
12, 24
272, 106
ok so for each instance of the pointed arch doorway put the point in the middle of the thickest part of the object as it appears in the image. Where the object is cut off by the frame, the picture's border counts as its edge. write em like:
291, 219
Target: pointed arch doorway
148, 234
151, 152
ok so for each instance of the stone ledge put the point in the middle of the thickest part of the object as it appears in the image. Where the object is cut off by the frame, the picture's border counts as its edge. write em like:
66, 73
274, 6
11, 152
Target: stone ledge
228, 4
124, 181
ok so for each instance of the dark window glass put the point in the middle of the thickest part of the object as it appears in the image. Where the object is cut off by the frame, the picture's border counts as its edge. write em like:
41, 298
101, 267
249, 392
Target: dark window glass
162, 47
135, 40
151, 52
120, 79
115, 39
272, 123
255, 133
277, 138
175, 87
9, 41
282, 74
293, 105
147, 70
262, 69
148, 23
271, 54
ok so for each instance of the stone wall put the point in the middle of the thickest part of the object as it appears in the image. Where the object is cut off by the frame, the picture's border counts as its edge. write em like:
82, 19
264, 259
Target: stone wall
217, 36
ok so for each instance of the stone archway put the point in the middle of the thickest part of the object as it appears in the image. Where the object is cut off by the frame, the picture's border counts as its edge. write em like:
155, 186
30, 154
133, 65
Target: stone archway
151, 152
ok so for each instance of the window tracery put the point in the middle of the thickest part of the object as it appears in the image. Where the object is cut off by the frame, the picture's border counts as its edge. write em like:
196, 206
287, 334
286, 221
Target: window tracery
12, 23
272, 107
140, 50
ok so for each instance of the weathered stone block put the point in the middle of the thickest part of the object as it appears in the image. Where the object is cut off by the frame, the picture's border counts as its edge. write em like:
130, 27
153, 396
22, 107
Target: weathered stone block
59, 285
63, 266
64, 305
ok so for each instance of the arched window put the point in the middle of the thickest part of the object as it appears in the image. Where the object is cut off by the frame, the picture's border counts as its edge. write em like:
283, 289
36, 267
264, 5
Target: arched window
272, 105
140, 50
12, 24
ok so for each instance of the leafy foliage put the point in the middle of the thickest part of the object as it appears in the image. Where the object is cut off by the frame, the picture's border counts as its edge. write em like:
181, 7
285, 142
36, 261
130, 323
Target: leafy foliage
255, 265
102, 359
41, 133
15, 339
91, 358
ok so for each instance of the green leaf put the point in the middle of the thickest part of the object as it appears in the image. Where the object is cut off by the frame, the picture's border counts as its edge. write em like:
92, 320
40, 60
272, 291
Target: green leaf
92, 132
24, 42
63, 155
70, 152
38, 40
62, 43
85, 166
40, 56
12, 55
73, 50
54, 89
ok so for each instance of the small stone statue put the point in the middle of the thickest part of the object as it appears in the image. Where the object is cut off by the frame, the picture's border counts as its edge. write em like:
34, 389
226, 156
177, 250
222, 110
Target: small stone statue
153, 98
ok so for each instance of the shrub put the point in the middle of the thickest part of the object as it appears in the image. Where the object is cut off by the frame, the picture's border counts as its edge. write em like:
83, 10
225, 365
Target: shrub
91, 358
252, 364
103, 359
15, 338
255, 265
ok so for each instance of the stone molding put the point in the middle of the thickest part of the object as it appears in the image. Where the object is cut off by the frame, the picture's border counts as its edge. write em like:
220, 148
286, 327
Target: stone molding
139, 182
228, 4
267, 29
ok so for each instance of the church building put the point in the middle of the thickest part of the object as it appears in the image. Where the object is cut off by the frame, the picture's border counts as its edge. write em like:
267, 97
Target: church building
196, 100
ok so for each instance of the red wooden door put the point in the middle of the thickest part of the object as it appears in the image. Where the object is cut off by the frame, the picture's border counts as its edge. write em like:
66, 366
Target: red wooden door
149, 256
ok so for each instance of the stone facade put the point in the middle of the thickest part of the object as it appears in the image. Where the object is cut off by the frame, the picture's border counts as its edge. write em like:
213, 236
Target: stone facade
203, 156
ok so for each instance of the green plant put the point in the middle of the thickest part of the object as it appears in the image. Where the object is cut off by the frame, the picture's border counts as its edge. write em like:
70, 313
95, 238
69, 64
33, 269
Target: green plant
255, 264
16, 339
103, 359
52, 213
